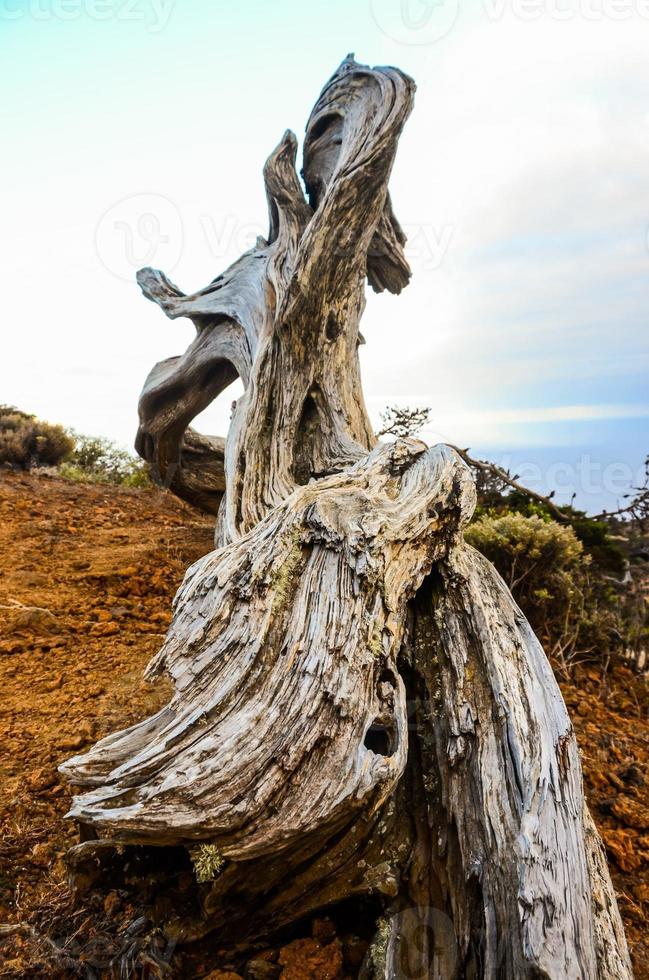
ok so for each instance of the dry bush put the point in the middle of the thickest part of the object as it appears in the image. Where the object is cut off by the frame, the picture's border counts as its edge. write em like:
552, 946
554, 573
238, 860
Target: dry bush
25, 441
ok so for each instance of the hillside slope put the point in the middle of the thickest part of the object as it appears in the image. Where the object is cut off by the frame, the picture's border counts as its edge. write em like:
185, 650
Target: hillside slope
87, 575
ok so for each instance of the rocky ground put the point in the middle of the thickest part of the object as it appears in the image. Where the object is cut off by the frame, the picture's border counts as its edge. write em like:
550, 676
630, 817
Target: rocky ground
87, 575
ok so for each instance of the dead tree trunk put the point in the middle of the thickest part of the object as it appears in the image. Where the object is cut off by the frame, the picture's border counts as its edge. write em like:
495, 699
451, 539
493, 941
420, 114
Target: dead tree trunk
360, 707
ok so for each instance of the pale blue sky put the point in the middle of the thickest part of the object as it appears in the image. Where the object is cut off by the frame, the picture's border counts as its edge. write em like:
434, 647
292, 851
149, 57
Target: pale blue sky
135, 132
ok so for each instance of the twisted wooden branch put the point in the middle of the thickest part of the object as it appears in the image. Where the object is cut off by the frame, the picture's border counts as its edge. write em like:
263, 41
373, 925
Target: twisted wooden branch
359, 706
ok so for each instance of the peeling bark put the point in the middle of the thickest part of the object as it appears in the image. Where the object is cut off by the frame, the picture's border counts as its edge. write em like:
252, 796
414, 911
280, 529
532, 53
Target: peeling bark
359, 706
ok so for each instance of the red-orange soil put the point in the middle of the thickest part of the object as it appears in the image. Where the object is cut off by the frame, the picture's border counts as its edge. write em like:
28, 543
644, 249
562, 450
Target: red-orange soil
87, 575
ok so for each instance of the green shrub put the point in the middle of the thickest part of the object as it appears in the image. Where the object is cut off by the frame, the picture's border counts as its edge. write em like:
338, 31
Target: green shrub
25, 441
98, 460
526, 547
595, 535
571, 609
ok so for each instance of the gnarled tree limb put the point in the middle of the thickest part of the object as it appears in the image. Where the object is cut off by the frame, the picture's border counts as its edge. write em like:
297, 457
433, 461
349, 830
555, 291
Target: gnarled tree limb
359, 706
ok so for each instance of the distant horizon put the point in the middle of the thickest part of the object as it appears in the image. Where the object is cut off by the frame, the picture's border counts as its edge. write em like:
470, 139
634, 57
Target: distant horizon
581, 476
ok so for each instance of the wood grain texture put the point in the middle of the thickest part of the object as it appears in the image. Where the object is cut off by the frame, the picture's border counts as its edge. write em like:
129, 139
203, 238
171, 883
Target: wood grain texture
359, 706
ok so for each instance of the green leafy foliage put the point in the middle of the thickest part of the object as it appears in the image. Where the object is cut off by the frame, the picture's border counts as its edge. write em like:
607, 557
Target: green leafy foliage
98, 460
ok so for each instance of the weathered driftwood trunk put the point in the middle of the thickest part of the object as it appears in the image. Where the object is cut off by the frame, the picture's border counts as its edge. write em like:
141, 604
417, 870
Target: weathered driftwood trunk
360, 707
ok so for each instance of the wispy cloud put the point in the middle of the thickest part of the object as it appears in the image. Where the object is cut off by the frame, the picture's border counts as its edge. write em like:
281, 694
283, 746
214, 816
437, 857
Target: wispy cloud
525, 416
